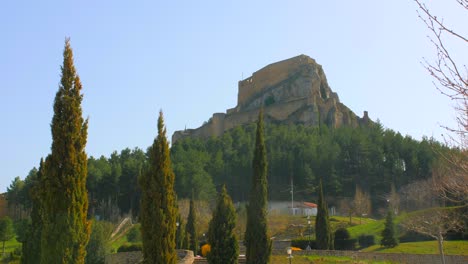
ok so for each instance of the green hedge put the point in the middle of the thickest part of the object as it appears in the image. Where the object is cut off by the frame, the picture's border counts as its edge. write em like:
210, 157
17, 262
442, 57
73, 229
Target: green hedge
366, 240
345, 244
130, 247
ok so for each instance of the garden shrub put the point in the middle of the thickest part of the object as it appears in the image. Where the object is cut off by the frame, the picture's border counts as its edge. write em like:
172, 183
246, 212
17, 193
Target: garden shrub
130, 247
366, 240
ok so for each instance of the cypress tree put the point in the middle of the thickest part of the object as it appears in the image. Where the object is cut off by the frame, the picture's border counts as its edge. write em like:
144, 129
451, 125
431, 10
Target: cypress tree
258, 245
180, 232
31, 249
66, 229
221, 236
158, 210
388, 234
324, 236
191, 227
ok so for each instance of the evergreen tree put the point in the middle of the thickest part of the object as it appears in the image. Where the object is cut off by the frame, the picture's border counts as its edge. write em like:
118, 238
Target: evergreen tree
32, 246
158, 203
191, 227
66, 229
258, 244
7, 231
389, 238
180, 232
324, 235
221, 236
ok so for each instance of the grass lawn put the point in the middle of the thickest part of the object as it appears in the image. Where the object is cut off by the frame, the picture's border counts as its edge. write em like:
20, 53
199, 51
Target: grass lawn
321, 260
10, 246
426, 247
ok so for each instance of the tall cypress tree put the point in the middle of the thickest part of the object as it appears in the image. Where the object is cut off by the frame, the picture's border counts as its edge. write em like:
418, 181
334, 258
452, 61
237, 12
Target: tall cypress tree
258, 245
32, 246
158, 210
191, 227
221, 236
324, 236
389, 238
66, 228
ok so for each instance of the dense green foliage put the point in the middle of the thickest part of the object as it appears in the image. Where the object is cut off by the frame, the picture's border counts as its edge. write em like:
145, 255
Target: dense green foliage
180, 232
191, 227
31, 249
257, 242
158, 203
221, 236
324, 235
369, 156
98, 245
64, 198
389, 238
7, 231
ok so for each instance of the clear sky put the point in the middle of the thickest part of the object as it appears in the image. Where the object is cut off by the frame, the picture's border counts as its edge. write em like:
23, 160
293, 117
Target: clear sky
186, 57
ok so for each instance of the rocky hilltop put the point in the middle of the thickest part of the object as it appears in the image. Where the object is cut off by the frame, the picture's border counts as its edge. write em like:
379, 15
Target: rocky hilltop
292, 91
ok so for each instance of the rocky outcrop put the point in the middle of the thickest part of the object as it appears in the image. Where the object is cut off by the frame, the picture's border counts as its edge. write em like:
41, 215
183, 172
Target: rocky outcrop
293, 91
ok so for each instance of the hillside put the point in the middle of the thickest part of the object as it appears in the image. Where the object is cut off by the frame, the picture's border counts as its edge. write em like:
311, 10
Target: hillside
292, 91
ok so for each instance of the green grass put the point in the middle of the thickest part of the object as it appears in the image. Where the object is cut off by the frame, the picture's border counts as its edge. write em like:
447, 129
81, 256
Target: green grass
10, 246
426, 247
122, 239
321, 260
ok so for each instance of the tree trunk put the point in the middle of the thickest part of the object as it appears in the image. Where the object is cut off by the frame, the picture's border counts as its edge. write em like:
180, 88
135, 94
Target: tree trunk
440, 241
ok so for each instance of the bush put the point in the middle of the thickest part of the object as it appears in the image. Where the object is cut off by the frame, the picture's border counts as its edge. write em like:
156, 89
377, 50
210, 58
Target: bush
345, 244
342, 233
134, 235
411, 236
205, 249
366, 240
130, 247
303, 243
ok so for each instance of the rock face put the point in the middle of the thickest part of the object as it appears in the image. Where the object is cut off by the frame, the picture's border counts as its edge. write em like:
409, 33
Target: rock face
293, 91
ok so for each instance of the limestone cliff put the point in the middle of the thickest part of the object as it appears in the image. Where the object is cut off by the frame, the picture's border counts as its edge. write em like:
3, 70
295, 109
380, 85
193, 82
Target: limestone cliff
293, 91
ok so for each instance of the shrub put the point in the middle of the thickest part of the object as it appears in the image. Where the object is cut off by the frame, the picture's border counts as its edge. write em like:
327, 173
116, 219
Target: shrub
205, 249
134, 235
366, 240
345, 244
412, 236
342, 233
130, 247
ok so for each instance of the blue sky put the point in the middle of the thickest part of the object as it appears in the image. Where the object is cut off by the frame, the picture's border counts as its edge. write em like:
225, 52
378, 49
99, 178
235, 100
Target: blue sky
186, 57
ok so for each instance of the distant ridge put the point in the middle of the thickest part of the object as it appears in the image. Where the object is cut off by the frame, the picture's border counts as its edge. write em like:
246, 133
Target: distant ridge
292, 91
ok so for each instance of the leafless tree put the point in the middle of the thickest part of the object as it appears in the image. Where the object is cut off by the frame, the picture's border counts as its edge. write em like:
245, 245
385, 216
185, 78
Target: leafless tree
346, 207
418, 195
435, 223
451, 79
361, 203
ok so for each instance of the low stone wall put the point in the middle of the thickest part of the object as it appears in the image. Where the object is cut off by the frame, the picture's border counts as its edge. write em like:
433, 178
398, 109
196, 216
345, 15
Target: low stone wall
135, 257
394, 257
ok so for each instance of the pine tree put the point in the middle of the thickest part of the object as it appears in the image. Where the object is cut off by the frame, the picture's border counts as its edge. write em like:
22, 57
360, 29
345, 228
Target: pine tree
221, 236
191, 227
158, 210
324, 236
388, 234
66, 229
258, 245
32, 246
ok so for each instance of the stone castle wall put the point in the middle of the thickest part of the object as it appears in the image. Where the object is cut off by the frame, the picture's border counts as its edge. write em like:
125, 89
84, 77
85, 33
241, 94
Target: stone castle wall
269, 76
290, 91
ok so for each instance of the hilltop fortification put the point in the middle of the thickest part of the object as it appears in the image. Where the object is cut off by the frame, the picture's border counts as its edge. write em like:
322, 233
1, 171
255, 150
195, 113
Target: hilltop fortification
292, 91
